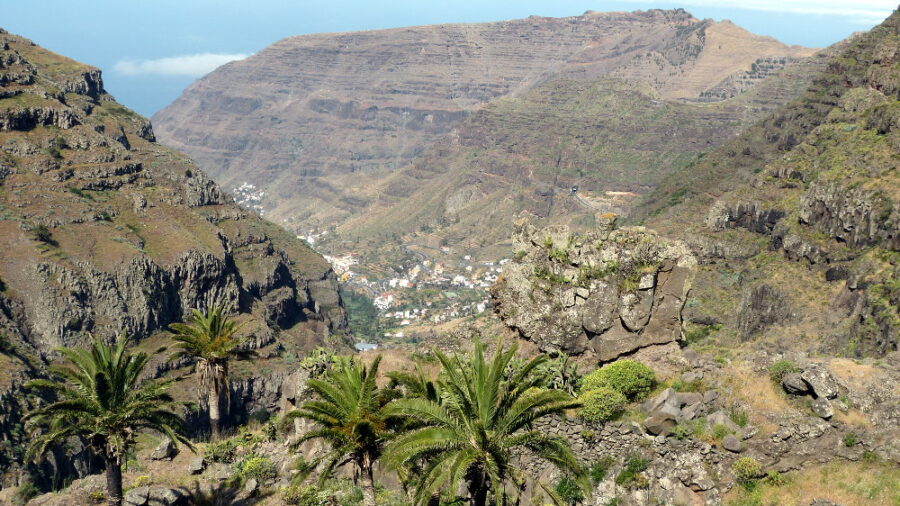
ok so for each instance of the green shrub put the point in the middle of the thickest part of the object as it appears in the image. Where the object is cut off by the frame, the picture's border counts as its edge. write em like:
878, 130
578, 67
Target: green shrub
600, 469
142, 481
97, 497
630, 476
601, 404
259, 468
782, 368
25, 493
746, 469
700, 332
629, 377
319, 360
562, 374
719, 431
689, 428
776, 479
332, 492
305, 495
688, 386
849, 439
569, 491
42, 234
740, 417
221, 451
81, 193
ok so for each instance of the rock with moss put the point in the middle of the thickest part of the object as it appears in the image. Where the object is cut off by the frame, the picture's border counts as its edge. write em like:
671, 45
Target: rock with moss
607, 292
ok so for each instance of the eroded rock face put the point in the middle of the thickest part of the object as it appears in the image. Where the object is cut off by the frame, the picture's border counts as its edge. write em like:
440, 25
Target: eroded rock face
855, 216
608, 292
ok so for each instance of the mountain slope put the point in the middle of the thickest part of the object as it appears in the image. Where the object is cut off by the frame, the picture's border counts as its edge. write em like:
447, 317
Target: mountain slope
610, 138
105, 231
316, 120
799, 215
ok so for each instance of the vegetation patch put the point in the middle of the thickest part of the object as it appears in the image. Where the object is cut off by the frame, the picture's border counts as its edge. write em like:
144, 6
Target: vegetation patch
782, 368
261, 469
601, 404
631, 476
631, 378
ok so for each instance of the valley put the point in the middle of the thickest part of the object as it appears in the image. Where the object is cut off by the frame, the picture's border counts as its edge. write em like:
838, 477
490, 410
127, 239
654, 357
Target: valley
610, 108
618, 258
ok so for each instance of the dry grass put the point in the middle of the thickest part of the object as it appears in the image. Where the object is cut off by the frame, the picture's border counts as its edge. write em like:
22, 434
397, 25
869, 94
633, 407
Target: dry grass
856, 375
853, 417
757, 391
845, 483
398, 360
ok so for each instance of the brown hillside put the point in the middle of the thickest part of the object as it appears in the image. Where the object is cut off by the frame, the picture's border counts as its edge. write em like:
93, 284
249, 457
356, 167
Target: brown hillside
315, 120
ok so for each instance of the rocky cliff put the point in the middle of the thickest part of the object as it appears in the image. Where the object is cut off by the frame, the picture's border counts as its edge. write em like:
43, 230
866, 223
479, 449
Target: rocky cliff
104, 231
320, 121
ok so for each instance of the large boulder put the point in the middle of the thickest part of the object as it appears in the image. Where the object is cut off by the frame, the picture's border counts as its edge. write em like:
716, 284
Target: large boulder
197, 465
608, 292
721, 418
822, 408
820, 381
155, 496
165, 450
794, 384
660, 424
732, 444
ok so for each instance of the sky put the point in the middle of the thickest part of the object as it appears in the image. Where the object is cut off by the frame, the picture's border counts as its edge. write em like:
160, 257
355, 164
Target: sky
150, 51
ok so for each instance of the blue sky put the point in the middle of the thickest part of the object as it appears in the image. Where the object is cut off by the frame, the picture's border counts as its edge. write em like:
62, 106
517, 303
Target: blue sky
151, 50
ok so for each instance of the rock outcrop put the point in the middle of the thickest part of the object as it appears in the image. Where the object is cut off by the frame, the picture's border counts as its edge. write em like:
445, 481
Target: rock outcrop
607, 292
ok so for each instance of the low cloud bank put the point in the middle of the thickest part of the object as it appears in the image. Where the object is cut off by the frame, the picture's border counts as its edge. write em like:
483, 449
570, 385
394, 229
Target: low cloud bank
190, 65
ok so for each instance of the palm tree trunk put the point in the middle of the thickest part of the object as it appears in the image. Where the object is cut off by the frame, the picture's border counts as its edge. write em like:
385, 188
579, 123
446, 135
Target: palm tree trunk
478, 489
214, 411
113, 481
368, 485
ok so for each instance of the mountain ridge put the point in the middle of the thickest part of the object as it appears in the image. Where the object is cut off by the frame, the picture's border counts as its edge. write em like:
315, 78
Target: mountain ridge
330, 112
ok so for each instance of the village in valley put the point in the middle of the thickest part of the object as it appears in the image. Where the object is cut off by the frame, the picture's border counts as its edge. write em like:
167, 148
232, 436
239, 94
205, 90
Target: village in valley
422, 295
428, 287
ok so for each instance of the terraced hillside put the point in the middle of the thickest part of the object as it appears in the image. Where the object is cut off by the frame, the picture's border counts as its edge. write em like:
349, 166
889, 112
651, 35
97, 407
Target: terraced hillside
317, 121
611, 139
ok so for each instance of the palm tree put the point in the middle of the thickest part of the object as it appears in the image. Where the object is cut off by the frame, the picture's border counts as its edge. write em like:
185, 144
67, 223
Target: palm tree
210, 339
485, 414
351, 418
103, 400
414, 384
